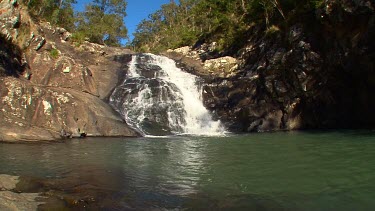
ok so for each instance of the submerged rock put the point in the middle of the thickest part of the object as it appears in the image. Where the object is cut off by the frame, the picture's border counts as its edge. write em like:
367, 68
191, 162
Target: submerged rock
10, 200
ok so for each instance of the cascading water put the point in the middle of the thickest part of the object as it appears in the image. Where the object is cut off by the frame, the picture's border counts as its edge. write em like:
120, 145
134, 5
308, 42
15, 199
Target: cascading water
158, 98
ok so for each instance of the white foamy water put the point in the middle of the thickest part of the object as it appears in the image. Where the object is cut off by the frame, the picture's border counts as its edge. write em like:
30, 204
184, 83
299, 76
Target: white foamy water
159, 96
198, 119
132, 71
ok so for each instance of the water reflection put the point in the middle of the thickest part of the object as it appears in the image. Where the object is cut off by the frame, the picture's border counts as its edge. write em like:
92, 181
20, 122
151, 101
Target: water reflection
290, 171
174, 167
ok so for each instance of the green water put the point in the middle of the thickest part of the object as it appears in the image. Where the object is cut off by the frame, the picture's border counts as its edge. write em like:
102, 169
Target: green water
274, 171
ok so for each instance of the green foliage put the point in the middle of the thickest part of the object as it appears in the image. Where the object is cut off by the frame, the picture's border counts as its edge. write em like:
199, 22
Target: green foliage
54, 53
58, 12
102, 22
78, 37
317, 3
223, 21
191, 20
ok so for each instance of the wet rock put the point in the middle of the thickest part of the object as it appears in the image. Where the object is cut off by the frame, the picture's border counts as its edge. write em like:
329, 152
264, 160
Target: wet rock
190, 65
10, 200
64, 134
166, 104
8, 182
145, 68
272, 121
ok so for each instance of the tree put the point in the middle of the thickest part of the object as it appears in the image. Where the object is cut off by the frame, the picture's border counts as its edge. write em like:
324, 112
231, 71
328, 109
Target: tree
64, 15
103, 22
58, 12
224, 21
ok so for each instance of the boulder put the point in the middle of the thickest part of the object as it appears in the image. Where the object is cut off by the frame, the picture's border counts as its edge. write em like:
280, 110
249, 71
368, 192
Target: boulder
31, 113
221, 67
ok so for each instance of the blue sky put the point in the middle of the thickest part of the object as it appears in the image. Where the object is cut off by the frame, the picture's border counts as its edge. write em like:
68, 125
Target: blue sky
136, 10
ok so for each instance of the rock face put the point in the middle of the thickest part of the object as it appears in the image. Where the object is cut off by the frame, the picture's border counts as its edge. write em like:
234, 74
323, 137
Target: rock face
31, 112
316, 73
51, 87
10, 200
204, 61
227, 66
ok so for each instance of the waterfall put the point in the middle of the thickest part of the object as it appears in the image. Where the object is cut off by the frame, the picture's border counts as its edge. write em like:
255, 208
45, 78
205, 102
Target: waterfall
158, 98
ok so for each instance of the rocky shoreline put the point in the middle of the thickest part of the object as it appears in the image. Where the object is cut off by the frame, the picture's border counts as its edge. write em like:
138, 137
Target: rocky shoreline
69, 193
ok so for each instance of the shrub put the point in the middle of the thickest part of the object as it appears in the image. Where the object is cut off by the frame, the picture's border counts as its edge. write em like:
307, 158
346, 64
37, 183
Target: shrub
54, 53
78, 38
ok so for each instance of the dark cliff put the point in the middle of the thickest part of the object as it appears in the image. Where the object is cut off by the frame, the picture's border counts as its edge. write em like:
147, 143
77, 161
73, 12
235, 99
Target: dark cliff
316, 71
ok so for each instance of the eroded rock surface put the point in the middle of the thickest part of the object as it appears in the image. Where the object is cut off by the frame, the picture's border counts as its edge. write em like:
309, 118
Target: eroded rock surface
31, 112
51, 87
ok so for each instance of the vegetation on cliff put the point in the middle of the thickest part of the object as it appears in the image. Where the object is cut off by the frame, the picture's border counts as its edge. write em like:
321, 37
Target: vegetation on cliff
174, 24
224, 21
59, 13
101, 21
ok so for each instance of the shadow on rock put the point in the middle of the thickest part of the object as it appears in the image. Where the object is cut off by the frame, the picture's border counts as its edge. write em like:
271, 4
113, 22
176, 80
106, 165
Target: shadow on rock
11, 61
